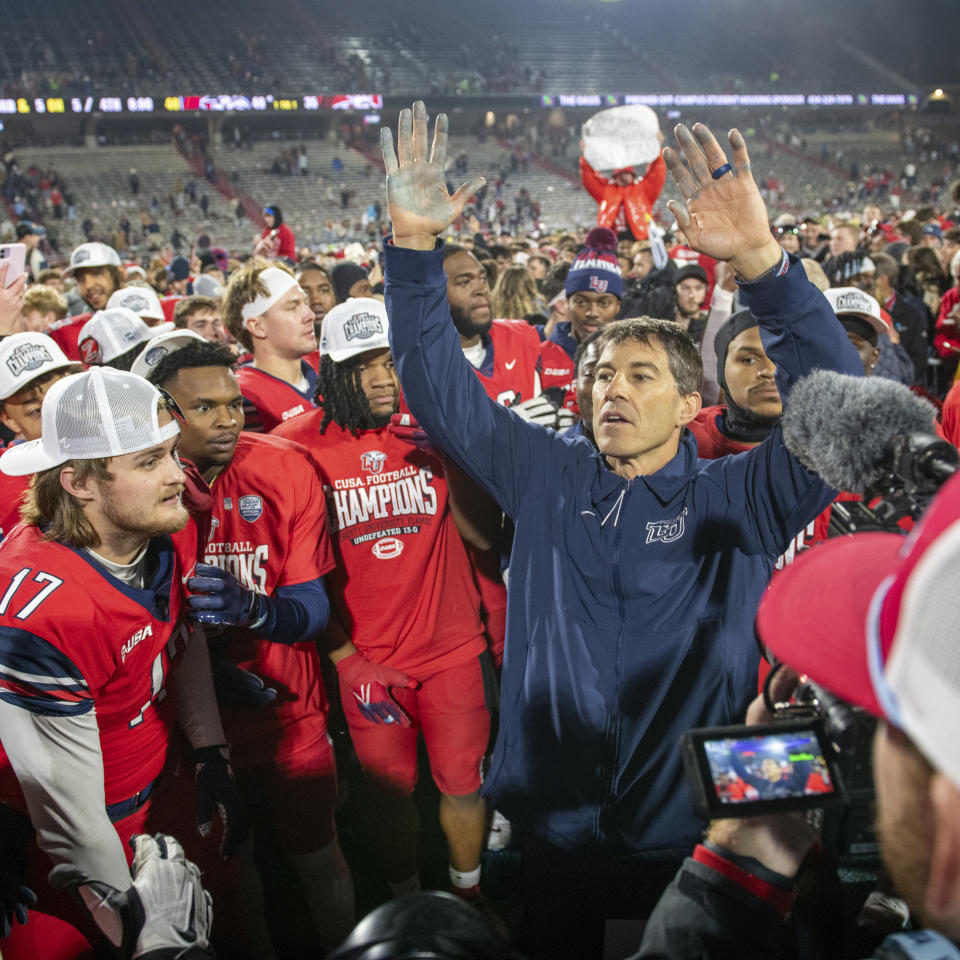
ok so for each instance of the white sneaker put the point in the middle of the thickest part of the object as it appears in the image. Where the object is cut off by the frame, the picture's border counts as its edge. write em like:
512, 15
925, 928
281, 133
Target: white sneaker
498, 838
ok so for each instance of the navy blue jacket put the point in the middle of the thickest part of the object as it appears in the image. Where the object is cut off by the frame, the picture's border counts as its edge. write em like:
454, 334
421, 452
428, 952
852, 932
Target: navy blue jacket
631, 604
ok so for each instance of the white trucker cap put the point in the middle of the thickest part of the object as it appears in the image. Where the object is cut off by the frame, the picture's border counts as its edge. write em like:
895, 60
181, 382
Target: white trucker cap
112, 332
353, 327
100, 413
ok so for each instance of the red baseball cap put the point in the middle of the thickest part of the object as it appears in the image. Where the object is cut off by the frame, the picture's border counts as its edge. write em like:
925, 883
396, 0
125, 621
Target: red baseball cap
875, 618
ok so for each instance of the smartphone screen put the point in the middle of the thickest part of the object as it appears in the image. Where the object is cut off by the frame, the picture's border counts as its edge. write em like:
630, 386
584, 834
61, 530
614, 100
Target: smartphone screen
14, 255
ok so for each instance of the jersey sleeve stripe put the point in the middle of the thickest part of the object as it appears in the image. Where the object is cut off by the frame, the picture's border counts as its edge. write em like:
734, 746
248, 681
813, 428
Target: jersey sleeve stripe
34, 674
58, 708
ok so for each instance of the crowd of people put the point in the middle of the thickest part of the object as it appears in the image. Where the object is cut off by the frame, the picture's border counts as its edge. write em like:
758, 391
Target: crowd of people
286, 531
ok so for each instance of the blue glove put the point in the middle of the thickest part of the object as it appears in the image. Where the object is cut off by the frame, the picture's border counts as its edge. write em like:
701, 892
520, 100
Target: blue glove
216, 789
236, 687
14, 900
222, 599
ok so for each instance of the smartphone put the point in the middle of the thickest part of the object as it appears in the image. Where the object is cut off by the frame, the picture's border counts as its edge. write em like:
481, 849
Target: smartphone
751, 771
15, 256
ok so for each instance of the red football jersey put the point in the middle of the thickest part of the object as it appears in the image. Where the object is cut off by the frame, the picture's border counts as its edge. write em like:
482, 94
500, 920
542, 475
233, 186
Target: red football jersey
269, 529
66, 334
402, 585
72, 637
556, 370
269, 401
509, 371
12, 490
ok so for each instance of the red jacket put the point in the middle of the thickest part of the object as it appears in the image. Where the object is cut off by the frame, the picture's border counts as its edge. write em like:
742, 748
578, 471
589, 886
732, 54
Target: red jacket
637, 200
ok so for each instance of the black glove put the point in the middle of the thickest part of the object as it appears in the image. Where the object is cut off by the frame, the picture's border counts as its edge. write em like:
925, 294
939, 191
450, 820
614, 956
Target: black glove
236, 687
164, 913
15, 898
216, 790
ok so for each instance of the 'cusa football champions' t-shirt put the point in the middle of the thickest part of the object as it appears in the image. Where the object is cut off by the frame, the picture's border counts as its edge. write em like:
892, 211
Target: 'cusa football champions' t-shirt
402, 585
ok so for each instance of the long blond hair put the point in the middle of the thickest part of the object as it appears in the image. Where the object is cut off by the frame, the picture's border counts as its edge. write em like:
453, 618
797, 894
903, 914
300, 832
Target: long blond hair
515, 294
49, 504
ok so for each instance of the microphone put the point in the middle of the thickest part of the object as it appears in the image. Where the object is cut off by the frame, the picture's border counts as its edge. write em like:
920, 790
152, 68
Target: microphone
843, 427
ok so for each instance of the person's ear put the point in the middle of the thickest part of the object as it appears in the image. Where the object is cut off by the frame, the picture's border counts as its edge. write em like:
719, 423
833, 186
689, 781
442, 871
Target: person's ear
68, 480
943, 881
690, 405
8, 421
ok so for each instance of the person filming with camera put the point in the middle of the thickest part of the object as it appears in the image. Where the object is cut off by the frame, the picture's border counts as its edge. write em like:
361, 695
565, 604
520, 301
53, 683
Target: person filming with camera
872, 618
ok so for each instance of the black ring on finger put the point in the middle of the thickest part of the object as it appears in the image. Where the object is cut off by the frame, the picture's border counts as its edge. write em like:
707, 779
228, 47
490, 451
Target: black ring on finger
721, 171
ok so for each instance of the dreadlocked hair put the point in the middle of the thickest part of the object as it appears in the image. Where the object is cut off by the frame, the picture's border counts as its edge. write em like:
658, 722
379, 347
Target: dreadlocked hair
343, 399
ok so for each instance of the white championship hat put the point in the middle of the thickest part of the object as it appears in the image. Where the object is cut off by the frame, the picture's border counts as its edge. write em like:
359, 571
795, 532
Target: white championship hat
112, 332
162, 346
143, 301
353, 327
26, 356
852, 301
100, 413
93, 254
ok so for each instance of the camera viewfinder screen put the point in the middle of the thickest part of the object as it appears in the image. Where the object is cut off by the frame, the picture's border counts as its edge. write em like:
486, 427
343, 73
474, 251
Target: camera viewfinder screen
770, 767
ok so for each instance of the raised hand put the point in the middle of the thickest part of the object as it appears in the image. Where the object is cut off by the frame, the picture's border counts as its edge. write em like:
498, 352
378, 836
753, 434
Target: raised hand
725, 217
418, 202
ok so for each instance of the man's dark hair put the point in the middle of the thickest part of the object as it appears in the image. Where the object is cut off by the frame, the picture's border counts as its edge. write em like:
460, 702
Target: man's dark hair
582, 349
887, 267
499, 250
555, 280
188, 358
305, 265
451, 249
344, 402
682, 353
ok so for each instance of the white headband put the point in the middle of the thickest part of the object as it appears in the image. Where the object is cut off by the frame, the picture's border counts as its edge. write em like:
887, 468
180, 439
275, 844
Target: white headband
278, 282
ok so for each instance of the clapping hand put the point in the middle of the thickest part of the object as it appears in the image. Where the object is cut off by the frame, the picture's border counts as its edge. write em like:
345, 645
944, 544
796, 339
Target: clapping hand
722, 216
418, 201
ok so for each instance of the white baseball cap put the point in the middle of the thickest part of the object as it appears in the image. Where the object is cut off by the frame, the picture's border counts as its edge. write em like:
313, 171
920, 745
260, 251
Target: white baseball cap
143, 301
162, 346
26, 356
100, 413
852, 301
207, 286
93, 254
353, 327
112, 332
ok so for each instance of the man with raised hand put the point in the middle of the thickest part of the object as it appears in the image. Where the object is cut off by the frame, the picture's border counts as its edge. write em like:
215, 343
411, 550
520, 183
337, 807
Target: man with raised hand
636, 570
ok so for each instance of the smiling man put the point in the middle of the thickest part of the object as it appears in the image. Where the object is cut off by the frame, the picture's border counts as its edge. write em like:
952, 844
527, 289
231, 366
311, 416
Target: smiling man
636, 569
266, 310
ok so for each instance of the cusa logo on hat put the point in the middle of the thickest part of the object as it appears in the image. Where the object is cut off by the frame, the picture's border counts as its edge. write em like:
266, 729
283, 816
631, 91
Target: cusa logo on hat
136, 302
90, 350
362, 326
599, 285
155, 355
29, 356
80, 256
852, 301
